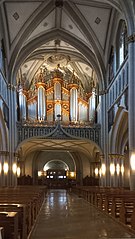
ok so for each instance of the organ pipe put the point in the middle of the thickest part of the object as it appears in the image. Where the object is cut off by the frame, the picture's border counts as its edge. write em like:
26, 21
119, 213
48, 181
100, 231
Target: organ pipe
73, 104
41, 103
57, 91
57, 99
22, 105
49, 98
92, 105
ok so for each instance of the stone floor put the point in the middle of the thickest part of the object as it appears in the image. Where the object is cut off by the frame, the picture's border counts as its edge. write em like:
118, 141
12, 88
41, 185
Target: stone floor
65, 216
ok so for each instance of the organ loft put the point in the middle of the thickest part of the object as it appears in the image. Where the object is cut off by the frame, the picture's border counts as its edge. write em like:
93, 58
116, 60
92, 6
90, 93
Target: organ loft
67, 119
56, 94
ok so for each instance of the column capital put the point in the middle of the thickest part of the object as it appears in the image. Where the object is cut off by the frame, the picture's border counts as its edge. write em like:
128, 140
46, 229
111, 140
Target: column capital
115, 156
131, 38
103, 92
4, 153
11, 87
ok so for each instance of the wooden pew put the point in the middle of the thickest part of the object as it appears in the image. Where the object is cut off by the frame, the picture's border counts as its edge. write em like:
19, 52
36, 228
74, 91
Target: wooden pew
26, 201
21, 209
9, 221
1, 233
117, 202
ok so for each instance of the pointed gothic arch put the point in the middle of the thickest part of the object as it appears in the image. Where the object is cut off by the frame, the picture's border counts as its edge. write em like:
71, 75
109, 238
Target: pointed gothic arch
3, 134
119, 133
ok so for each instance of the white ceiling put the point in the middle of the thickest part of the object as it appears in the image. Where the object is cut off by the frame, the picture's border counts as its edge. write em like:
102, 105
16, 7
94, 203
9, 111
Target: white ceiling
30, 29
60, 145
27, 23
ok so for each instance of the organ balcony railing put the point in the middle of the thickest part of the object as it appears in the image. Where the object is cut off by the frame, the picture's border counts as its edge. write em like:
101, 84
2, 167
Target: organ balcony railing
58, 130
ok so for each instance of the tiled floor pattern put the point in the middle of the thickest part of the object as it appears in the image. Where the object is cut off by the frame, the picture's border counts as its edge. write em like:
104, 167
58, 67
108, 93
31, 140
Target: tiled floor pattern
65, 216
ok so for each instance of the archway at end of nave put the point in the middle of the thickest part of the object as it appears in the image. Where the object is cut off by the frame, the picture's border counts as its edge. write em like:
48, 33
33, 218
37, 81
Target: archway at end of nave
59, 163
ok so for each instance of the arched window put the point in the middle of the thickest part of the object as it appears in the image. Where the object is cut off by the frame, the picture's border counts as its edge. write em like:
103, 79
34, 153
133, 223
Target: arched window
111, 65
121, 43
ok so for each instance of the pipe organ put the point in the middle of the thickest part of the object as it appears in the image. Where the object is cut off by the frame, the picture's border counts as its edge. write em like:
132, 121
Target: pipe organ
41, 102
73, 103
22, 104
48, 99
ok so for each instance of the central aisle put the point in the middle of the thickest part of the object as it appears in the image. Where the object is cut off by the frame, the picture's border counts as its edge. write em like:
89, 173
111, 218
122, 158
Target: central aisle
65, 216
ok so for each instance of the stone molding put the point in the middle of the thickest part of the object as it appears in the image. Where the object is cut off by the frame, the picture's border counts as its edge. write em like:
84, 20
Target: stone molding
131, 38
4, 153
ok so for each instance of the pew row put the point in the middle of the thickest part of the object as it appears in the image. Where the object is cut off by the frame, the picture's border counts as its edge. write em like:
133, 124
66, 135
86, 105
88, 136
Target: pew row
116, 202
24, 203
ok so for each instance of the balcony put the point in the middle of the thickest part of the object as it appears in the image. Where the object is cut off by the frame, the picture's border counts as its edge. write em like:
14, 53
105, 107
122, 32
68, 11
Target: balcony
58, 130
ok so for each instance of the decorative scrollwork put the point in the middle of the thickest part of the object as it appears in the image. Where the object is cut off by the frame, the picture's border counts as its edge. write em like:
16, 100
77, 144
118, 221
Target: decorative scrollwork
59, 132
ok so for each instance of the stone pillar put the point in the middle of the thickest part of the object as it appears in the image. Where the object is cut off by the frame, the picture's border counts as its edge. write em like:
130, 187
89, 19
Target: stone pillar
112, 171
4, 168
117, 170
127, 170
104, 133
103, 171
12, 179
131, 108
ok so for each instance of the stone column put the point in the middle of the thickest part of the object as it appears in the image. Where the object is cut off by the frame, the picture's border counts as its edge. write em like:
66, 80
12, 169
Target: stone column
104, 133
1, 164
127, 170
12, 179
4, 169
131, 108
117, 170
103, 171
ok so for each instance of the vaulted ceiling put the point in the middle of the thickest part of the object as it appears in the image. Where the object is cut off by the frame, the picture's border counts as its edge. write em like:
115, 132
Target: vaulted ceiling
75, 33
60, 145
77, 30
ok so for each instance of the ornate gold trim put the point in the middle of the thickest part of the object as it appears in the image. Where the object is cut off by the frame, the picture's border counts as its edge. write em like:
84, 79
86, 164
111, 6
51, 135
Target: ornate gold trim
40, 84
57, 80
70, 86
80, 100
32, 100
